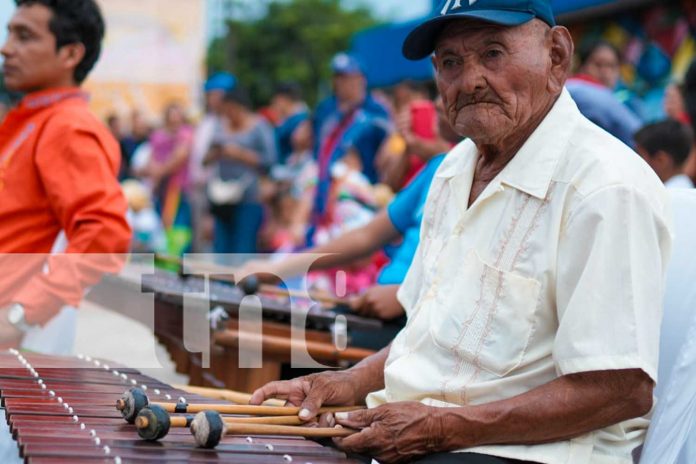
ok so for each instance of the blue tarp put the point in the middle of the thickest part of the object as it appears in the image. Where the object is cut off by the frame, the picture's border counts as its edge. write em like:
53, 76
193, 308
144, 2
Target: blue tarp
379, 48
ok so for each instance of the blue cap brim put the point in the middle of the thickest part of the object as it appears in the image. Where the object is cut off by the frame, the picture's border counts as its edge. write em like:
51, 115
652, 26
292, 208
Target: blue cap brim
420, 42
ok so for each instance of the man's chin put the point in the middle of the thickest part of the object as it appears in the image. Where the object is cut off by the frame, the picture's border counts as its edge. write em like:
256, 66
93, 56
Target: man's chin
480, 129
14, 85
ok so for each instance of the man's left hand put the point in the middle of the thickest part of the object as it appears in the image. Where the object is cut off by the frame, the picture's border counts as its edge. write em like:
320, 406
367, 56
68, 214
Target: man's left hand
395, 432
10, 336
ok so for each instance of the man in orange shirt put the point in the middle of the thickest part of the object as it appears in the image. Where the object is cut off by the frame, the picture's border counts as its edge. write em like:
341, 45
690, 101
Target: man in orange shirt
58, 167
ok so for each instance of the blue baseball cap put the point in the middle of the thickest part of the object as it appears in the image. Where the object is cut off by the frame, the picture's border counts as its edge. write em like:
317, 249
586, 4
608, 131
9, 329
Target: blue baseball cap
344, 63
220, 81
420, 42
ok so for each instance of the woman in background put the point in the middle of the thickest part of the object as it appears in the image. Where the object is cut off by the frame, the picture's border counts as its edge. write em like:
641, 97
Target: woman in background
168, 174
243, 150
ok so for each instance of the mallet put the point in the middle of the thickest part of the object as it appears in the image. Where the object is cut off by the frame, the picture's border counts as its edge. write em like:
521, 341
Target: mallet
208, 428
153, 422
134, 400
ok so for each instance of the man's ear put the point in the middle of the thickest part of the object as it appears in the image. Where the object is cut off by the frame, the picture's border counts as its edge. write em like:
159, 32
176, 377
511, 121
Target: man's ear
72, 55
562, 49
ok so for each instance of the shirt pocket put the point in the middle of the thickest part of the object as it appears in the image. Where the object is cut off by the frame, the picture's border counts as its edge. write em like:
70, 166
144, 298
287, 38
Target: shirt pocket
484, 315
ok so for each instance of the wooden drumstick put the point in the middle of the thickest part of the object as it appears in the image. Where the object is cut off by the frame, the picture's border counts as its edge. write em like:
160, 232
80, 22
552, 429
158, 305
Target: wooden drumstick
134, 400
246, 409
251, 285
316, 296
153, 423
226, 395
208, 428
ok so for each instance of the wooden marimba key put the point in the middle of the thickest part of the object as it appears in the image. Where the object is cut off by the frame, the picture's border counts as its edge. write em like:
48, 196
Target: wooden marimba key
66, 414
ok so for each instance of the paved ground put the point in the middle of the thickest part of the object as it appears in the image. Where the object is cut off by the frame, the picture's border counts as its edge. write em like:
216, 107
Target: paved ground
104, 334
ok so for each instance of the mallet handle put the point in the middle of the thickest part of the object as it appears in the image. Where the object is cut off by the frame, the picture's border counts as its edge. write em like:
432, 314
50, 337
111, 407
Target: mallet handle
272, 420
250, 410
226, 395
182, 421
316, 296
284, 430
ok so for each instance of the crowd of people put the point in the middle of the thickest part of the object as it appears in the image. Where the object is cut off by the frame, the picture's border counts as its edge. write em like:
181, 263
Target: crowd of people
287, 178
282, 178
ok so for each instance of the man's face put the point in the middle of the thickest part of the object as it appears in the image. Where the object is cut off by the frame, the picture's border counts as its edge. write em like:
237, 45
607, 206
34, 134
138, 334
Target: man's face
492, 79
348, 87
281, 105
213, 100
604, 66
31, 59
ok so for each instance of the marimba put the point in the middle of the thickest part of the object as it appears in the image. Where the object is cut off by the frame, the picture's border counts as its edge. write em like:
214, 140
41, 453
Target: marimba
130, 290
66, 413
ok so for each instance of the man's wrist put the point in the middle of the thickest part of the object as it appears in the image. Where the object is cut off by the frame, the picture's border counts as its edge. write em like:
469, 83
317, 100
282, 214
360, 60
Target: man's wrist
364, 382
462, 418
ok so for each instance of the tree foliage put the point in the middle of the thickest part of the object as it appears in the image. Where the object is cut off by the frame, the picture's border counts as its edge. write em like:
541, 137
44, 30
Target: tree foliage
293, 41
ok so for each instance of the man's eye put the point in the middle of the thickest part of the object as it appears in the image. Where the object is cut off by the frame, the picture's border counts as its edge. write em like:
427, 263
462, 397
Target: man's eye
493, 53
448, 63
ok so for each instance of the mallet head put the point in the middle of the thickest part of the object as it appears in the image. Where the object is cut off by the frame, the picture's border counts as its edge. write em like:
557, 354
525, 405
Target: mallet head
153, 423
131, 403
250, 285
208, 428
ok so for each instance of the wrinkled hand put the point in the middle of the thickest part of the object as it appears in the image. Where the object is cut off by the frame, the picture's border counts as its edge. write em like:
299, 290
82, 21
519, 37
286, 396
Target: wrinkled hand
311, 393
395, 432
378, 301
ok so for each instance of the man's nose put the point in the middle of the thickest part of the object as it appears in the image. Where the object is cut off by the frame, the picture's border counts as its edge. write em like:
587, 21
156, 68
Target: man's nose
471, 80
6, 49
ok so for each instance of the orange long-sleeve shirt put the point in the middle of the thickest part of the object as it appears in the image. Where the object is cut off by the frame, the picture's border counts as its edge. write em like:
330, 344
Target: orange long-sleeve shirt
58, 167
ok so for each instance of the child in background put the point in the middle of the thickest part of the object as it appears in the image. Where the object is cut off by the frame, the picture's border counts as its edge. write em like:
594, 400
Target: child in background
148, 232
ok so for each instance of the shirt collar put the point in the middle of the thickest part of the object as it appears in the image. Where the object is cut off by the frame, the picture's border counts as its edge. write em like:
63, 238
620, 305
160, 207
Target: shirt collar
532, 168
44, 98
679, 181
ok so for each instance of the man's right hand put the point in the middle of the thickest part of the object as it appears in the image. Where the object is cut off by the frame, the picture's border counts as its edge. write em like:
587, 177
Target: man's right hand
379, 301
311, 392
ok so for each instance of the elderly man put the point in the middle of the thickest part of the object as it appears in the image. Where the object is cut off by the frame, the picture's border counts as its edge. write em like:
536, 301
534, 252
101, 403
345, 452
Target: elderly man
534, 298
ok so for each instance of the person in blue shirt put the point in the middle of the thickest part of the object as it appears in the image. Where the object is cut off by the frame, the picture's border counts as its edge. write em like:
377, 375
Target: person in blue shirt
292, 111
405, 213
401, 220
349, 126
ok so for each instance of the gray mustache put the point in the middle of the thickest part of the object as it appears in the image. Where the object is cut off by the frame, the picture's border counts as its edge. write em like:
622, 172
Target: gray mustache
466, 101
